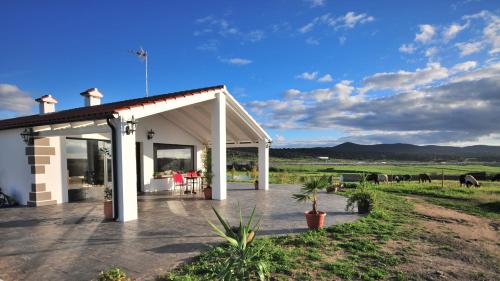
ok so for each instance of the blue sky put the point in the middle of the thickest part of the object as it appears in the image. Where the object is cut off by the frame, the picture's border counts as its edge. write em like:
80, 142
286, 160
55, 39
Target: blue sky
312, 72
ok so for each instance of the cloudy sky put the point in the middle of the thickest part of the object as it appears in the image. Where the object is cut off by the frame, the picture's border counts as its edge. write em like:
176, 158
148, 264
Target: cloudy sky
312, 72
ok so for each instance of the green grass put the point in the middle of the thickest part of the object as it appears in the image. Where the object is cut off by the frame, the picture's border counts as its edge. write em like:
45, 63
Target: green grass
348, 251
483, 201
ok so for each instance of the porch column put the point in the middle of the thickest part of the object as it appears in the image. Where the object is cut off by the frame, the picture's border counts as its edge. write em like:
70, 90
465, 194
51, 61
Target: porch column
263, 165
219, 184
126, 178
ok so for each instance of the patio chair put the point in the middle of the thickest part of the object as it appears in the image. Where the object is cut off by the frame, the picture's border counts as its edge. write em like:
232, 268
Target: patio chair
179, 182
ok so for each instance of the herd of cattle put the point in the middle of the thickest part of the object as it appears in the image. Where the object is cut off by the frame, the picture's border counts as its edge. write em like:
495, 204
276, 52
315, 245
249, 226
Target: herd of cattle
467, 179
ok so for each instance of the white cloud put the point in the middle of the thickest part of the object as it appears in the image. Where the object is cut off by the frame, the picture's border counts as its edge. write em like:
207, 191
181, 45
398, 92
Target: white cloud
237, 61
351, 19
342, 40
291, 93
465, 66
461, 109
468, 48
347, 21
431, 51
209, 45
452, 30
307, 75
405, 79
325, 78
316, 3
15, 101
312, 41
426, 34
407, 48
279, 139
491, 31
255, 36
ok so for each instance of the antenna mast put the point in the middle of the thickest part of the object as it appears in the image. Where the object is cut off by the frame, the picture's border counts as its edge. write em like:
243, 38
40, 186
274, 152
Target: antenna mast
143, 55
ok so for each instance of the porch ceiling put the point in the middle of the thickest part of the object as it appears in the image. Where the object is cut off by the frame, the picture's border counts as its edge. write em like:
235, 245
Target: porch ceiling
196, 120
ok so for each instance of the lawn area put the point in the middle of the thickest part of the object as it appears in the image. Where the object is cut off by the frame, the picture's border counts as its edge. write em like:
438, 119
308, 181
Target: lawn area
407, 236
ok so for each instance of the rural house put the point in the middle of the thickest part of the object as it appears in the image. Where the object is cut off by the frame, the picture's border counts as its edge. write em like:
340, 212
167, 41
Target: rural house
49, 157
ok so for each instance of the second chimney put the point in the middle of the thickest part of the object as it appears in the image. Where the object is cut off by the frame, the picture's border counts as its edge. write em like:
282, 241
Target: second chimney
92, 97
47, 104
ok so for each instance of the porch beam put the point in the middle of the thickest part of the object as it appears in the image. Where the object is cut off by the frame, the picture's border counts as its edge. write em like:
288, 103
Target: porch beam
228, 132
175, 121
219, 188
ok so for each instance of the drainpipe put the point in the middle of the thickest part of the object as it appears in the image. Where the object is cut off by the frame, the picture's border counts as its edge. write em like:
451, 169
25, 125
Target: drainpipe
115, 169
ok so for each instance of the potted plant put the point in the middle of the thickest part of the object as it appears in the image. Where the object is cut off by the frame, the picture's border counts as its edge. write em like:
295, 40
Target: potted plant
108, 203
206, 158
363, 199
254, 177
207, 191
309, 192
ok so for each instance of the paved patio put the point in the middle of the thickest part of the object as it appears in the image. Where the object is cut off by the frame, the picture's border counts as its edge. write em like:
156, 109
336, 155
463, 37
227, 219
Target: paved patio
72, 242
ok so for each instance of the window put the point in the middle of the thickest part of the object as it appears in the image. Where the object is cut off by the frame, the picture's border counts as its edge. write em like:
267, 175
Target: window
173, 157
88, 161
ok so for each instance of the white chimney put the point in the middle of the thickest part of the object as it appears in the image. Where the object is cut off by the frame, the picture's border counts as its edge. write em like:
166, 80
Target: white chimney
47, 104
92, 97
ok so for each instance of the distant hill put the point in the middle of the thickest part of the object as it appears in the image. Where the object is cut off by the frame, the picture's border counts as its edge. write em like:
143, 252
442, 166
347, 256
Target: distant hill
397, 151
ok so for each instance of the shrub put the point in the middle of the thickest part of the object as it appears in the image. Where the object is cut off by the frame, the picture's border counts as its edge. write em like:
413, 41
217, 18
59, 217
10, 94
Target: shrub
350, 185
245, 260
363, 198
113, 274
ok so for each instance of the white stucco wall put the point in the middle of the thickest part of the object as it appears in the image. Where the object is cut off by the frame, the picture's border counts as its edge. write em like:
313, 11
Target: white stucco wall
165, 132
15, 173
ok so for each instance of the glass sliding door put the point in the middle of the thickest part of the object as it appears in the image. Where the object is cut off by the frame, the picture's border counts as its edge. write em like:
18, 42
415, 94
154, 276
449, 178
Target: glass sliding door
89, 168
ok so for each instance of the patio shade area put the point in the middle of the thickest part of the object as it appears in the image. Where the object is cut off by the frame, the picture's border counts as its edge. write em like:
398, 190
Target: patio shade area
72, 242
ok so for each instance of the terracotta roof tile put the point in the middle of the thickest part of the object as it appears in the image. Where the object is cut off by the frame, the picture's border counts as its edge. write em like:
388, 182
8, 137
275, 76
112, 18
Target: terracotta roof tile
93, 112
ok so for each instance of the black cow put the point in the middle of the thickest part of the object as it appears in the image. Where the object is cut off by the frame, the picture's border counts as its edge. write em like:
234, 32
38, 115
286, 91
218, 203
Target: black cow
372, 177
496, 177
424, 178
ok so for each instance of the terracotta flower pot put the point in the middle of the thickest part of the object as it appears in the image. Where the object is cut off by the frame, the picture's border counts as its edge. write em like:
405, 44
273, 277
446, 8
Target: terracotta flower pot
207, 191
315, 221
108, 210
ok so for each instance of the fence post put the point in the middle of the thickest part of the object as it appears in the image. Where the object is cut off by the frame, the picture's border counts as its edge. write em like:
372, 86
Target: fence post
442, 178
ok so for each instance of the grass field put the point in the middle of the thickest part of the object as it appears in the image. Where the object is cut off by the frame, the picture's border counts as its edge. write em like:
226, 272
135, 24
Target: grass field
415, 232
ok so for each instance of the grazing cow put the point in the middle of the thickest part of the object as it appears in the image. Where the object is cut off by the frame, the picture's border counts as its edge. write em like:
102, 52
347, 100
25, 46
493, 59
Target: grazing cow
397, 178
496, 177
461, 179
372, 177
423, 178
471, 181
406, 177
383, 178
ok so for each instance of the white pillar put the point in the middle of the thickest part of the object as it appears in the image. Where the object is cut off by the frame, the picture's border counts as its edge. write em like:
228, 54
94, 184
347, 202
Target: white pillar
219, 185
126, 178
263, 165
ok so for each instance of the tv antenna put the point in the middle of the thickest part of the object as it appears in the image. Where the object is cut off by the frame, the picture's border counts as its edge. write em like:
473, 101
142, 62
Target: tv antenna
143, 56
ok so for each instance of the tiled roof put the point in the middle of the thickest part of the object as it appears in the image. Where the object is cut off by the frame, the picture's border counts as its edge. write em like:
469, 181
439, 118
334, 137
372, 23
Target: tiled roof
93, 112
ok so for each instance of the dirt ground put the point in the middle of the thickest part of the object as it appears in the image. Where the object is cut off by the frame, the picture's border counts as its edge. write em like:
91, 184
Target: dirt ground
449, 245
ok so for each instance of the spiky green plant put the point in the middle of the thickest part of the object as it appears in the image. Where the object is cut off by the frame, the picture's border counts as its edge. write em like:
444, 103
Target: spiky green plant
244, 260
309, 191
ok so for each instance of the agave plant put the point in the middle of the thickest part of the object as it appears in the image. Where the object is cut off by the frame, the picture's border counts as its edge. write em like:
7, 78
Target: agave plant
309, 192
244, 261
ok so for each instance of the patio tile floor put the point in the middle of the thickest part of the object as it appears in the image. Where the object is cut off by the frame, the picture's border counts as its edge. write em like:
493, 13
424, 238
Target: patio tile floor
72, 242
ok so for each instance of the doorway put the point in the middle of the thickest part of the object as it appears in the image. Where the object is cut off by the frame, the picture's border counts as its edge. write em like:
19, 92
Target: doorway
138, 166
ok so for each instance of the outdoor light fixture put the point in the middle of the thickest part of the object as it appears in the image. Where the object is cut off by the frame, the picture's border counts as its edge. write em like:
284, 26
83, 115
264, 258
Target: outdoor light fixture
27, 135
151, 134
131, 126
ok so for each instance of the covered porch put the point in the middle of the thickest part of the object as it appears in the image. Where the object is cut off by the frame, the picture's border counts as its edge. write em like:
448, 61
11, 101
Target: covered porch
149, 138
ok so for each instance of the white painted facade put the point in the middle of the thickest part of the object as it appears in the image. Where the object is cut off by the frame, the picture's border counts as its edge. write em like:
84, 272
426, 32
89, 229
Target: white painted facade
213, 119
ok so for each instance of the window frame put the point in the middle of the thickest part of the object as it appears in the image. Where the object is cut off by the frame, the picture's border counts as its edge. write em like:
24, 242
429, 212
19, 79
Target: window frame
157, 146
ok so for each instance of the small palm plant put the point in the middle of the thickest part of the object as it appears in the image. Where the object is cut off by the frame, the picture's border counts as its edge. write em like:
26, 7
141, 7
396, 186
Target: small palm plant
244, 261
309, 192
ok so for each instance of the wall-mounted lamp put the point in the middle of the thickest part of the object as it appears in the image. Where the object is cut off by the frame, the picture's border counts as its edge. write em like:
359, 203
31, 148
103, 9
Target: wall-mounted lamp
27, 135
131, 126
151, 134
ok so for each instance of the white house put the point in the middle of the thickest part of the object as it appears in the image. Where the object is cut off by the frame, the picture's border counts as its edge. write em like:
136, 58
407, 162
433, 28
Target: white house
48, 156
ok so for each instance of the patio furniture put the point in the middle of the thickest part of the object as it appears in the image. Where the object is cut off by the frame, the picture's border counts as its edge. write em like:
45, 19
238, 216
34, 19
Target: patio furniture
193, 178
179, 182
